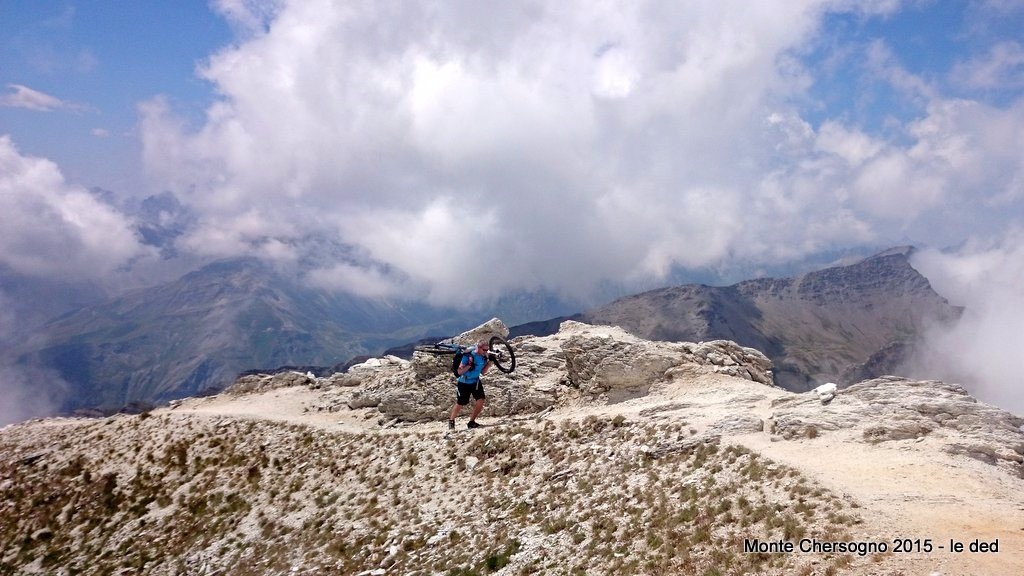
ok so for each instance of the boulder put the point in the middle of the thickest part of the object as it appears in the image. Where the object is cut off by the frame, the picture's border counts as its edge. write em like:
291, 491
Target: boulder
606, 360
428, 366
433, 399
493, 327
612, 361
736, 424
826, 392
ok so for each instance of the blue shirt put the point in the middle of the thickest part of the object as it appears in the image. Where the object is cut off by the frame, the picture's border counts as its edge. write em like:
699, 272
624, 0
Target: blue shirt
472, 376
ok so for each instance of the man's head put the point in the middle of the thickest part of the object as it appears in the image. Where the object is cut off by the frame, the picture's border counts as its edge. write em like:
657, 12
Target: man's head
482, 347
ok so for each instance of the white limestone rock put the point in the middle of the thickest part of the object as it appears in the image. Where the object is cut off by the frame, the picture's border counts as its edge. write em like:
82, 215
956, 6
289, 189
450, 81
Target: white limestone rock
598, 362
826, 392
264, 382
892, 408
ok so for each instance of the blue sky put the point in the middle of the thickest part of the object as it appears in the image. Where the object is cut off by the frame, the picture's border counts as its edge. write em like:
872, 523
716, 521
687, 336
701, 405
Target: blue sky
101, 59
623, 142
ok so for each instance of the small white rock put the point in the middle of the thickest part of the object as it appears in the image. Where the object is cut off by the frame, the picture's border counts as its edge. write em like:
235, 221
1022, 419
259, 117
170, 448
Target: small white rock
826, 391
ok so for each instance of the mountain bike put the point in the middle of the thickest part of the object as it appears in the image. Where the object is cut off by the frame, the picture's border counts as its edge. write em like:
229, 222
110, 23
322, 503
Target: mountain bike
500, 353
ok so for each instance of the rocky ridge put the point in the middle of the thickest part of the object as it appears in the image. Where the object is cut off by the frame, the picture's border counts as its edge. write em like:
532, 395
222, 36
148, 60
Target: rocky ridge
835, 324
603, 453
583, 364
580, 362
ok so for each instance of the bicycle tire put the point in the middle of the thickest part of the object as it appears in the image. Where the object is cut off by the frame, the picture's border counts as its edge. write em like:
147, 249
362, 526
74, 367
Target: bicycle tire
434, 349
506, 357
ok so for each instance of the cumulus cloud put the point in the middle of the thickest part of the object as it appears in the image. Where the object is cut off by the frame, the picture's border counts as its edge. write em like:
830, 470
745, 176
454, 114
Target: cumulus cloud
981, 351
549, 138
558, 146
51, 228
954, 172
358, 280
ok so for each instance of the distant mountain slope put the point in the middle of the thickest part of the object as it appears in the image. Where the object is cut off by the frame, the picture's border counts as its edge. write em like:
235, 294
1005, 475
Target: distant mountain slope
813, 326
200, 331
27, 302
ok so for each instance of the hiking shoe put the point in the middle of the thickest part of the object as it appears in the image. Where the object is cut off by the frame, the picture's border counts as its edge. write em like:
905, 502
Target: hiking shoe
472, 424
451, 424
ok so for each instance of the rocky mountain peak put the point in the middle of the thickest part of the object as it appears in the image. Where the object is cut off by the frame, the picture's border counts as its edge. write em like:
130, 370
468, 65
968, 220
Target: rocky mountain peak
815, 326
885, 274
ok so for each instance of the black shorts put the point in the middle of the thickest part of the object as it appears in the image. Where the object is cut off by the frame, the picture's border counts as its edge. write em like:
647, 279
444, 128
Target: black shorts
467, 390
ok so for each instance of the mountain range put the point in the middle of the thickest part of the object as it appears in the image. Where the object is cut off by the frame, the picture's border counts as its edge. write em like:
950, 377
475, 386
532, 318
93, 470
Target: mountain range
826, 325
194, 335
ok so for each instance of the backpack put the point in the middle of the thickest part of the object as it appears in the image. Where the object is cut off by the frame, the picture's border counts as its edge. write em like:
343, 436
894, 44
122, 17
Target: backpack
457, 361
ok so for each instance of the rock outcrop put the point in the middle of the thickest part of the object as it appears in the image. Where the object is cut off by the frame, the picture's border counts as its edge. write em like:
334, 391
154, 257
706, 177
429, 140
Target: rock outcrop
601, 363
264, 382
893, 408
596, 363
609, 361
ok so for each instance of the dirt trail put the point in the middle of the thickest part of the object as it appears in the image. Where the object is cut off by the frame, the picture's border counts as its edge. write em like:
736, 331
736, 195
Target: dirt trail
911, 492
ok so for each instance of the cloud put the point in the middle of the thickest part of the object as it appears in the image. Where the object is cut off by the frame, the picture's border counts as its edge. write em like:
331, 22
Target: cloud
51, 228
561, 146
1001, 68
29, 392
882, 63
952, 173
25, 97
981, 351
546, 139
355, 280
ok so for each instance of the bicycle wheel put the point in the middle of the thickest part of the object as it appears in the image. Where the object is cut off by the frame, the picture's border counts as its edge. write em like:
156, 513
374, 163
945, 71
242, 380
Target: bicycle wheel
434, 349
504, 357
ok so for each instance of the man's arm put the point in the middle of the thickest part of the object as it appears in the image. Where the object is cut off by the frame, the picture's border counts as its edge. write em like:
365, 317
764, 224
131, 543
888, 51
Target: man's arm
466, 365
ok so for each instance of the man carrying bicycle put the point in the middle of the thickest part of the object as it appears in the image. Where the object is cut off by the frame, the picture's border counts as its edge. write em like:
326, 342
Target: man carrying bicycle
474, 364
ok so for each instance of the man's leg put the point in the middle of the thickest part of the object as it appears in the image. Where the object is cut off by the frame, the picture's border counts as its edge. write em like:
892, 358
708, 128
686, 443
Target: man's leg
477, 408
461, 399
